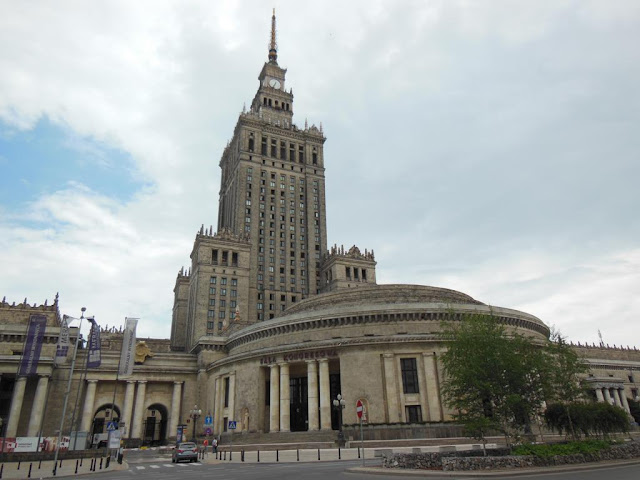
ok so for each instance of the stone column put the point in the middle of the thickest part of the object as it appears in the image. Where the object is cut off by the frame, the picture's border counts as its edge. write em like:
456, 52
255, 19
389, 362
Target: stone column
139, 410
16, 406
216, 406
616, 398
312, 394
221, 404
607, 397
274, 399
433, 386
128, 407
231, 412
625, 402
390, 385
87, 411
325, 395
38, 406
285, 399
599, 395
175, 409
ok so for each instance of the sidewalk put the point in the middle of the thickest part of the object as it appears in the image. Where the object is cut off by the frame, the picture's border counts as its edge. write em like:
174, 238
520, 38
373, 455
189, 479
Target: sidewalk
44, 469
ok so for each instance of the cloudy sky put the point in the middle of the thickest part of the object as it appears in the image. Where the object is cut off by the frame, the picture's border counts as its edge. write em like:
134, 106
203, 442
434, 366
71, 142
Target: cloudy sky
490, 147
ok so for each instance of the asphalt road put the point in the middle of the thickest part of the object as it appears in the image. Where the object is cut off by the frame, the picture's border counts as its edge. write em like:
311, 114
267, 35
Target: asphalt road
165, 470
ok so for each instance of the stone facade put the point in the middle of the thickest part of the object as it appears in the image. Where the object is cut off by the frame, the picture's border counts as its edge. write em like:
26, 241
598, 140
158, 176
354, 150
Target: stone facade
268, 324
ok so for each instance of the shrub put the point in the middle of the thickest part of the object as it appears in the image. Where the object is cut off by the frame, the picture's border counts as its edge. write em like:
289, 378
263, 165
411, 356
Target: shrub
571, 448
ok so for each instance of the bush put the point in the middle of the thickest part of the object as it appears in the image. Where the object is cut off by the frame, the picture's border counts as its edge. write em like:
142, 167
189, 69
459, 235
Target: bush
586, 419
571, 448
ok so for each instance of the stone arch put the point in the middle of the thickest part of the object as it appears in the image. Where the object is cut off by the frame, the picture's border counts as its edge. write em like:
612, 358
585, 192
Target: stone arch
154, 425
101, 417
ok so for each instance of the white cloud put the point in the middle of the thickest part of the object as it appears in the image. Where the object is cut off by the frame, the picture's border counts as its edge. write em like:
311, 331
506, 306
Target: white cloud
487, 147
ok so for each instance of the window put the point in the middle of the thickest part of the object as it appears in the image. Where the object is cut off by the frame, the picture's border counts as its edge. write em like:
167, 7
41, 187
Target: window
348, 272
212, 291
223, 303
409, 369
211, 313
413, 413
233, 304
210, 325
212, 302
226, 392
234, 282
223, 291
220, 325
214, 257
234, 293
223, 281
260, 306
221, 314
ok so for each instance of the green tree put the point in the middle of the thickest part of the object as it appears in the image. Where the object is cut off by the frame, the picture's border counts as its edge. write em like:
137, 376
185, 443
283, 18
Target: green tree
493, 380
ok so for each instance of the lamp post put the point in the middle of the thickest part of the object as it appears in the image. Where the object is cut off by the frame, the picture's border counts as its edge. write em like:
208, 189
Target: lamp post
339, 404
194, 414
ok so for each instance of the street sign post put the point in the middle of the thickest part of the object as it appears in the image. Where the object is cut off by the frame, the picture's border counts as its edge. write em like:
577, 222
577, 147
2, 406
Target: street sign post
231, 425
359, 411
111, 426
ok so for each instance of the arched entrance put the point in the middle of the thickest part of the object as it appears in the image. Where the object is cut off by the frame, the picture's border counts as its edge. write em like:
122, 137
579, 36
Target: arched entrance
99, 433
155, 425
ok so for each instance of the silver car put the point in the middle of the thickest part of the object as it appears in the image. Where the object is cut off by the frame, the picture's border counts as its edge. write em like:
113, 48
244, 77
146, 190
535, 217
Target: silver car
185, 451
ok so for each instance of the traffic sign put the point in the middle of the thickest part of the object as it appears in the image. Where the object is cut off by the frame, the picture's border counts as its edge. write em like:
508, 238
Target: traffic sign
111, 426
231, 425
359, 408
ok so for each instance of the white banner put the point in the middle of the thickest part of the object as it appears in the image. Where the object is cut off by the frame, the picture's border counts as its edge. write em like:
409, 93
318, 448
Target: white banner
127, 357
62, 349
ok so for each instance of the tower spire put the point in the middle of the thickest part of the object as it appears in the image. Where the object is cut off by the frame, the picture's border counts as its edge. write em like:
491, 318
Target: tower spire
273, 46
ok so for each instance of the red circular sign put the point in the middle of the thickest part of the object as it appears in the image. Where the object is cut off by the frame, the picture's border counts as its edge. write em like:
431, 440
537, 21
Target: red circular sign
359, 408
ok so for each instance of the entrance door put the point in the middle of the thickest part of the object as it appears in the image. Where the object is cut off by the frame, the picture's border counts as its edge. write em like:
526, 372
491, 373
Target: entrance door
299, 411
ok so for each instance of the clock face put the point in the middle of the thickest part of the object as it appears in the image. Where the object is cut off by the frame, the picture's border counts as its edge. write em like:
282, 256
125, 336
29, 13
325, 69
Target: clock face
274, 83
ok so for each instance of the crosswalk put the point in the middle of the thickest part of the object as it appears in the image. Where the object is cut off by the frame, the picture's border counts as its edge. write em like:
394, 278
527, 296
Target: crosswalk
167, 465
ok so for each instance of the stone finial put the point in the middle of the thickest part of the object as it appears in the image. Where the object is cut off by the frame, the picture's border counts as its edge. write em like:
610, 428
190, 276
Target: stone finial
201, 229
25, 301
45, 302
306, 124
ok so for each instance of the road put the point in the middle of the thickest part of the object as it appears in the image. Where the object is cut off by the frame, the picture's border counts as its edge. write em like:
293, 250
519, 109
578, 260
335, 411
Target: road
165, 470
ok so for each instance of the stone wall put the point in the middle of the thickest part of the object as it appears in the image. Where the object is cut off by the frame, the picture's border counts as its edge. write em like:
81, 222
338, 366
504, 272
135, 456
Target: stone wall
474, 460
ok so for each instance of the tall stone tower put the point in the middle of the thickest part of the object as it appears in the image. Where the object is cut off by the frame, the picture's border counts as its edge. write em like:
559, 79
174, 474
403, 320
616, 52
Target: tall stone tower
271, 234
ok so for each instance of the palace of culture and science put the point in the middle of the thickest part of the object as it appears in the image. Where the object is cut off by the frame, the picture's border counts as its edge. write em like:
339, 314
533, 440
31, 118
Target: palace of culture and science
269, 323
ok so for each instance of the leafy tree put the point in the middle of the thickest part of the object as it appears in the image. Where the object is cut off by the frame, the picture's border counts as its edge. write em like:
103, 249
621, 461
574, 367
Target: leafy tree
634, 406
600, 419
493, 380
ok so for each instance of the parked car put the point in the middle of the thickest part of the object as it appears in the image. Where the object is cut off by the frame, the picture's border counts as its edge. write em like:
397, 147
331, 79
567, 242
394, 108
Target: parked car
185, 451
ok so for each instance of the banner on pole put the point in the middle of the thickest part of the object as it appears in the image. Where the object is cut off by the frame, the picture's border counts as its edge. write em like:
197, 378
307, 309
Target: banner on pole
33, 345
62, 349
94, 359
128, 344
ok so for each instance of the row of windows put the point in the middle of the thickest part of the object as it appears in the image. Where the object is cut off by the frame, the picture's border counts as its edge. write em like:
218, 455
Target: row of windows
357, 273
224, 257
223, 281
282, 150
222, 303
221, 314
223, 292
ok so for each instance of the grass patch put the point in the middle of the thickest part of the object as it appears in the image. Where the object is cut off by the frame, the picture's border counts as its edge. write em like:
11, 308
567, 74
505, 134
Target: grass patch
570, 448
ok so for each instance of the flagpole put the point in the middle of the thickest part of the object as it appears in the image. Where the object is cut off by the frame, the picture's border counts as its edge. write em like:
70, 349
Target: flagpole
66, 395
115, 389
80, 385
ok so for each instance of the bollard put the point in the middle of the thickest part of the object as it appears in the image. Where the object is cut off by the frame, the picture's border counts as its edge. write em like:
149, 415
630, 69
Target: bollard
80, 461
339, 454
318, 454
297, 454
18, 466
100, 463
258, 456
277, 455
242, 455
2, 468
76, 466
60, 463
29, 475
108, 462
39, 464
358, 452
230, 454
225, 455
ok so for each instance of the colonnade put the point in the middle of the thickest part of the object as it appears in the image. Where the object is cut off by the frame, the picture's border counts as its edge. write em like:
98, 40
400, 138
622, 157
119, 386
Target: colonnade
319, 408
613, 396
134, 406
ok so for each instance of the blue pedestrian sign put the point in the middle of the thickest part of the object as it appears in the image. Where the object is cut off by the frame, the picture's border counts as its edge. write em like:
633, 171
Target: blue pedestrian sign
232, 425
208, 420
111, 426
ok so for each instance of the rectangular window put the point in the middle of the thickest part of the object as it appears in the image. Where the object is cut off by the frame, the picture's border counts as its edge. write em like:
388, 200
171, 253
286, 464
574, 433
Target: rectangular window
409, 369
348, 272
226, 392
223, 303
214, 256
234, 293
234, 282
213, 280
234, 258
220, 325
223, 281
210, 325
211, 313
212, 291
264, 146
221, 314
223, 291
212, 302
413, 413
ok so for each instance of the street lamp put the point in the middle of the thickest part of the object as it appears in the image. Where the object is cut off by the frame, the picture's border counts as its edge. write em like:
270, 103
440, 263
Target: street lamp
194, 414
339, 404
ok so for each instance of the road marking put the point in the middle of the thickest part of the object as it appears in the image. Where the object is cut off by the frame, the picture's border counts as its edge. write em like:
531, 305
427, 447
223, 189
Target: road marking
140, 468
154, 466
169, 466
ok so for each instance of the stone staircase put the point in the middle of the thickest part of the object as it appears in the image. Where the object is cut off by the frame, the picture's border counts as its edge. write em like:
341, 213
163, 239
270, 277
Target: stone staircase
280, 440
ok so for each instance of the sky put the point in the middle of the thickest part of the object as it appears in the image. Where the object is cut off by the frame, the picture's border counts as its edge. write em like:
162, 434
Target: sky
489, 147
